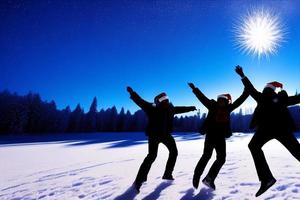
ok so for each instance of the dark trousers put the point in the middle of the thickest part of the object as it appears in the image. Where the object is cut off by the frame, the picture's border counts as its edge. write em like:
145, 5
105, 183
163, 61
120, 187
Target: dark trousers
153, 143
259, 139
211, 143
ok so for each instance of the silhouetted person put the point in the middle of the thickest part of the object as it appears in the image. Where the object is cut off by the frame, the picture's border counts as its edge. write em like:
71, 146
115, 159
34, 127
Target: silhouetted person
271, 120
216, 127
160, 126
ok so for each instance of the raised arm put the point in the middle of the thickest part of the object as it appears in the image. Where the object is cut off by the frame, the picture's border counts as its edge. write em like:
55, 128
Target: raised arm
202, 98
145, 105
183, 109
239, 100
248, 85
292, 100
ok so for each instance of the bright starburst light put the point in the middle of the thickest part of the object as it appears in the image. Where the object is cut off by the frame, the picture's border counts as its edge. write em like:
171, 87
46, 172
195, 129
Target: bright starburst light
259, 33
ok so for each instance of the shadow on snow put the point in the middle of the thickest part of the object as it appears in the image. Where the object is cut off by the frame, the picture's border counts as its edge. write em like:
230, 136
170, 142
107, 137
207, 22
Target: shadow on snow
205, 193
113, 139
131, 193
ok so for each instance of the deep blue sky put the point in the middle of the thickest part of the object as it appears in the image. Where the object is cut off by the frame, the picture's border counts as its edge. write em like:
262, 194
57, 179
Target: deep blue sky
71, 51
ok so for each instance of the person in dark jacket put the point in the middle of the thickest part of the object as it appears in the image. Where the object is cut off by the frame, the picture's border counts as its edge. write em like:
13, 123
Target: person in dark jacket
160, 126
271, 120
216, 127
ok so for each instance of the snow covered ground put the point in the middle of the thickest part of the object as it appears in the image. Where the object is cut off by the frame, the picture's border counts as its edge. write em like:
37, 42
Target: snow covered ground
103, 166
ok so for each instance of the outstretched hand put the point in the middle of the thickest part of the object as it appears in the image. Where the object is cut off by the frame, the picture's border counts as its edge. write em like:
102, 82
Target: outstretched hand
192, 85
129, 89
239, 71
194, 107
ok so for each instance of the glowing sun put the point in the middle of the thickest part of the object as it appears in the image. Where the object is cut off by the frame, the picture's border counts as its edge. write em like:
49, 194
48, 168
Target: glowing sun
259, 33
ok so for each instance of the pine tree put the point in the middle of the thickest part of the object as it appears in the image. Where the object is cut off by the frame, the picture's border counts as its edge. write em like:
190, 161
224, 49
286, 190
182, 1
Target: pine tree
34, 107
120, 126
91, 117
76, 119
64, 119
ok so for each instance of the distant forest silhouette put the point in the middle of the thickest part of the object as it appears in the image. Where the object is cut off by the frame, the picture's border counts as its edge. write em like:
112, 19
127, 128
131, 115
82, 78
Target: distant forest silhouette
30, 114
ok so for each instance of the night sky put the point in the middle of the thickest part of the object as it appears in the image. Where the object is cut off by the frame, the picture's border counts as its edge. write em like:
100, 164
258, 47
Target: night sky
71, 51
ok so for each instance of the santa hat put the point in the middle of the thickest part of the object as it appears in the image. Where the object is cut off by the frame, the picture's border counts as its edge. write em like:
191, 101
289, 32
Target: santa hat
225, 96
273, 85
161, 97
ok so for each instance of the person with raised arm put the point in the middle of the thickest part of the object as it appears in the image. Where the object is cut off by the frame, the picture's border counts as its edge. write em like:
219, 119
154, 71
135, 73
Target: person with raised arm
159, 128
216, 127
271, 120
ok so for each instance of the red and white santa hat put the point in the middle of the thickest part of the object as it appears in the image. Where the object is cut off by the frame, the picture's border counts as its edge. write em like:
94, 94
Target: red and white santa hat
225, 96
161, 97
273, 85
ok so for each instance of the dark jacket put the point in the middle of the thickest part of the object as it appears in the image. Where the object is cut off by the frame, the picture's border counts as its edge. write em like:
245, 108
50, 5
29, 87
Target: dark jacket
218, 119
160, 119
271, 114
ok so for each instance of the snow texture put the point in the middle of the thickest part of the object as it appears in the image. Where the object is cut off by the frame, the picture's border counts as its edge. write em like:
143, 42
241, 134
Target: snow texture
104, 165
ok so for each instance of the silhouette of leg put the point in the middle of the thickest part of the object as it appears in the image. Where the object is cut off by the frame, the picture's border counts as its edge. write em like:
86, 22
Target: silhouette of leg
262, 168
207, 152
220, 147
173, 152
255, 145
150, 158
291, 143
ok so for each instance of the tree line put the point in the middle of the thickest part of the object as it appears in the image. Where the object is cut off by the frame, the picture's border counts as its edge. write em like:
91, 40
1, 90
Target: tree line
29, 114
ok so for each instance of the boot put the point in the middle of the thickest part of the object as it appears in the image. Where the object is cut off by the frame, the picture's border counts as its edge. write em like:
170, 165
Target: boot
265, 185
209, 182
137, 185
196, 179
168, 177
